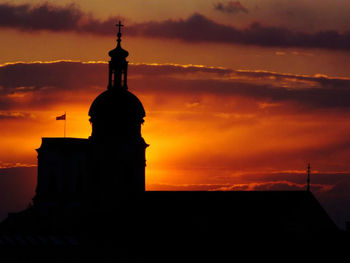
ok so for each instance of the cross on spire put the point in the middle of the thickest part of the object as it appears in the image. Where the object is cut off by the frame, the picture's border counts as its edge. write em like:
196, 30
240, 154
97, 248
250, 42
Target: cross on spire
119, 25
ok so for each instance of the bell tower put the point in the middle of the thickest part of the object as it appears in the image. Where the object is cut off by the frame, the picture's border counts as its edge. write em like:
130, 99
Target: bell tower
118, 66
118, 159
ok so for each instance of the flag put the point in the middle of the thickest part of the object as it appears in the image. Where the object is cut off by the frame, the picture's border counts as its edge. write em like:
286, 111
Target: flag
62, 117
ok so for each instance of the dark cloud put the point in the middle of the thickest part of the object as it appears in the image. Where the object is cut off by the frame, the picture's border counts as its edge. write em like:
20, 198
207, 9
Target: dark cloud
46, 83
28, 17
316, 97
254, 186
231, 7
39, 85
171, 69
196, 28
5, 115
40, 17
279, 158
199, 28
26, 77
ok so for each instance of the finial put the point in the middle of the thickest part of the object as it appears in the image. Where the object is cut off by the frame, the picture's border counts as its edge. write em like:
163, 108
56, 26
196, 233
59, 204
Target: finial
308, 178
119, 25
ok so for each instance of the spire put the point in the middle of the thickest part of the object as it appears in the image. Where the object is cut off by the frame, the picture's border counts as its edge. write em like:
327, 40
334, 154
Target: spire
119, 35
118, 66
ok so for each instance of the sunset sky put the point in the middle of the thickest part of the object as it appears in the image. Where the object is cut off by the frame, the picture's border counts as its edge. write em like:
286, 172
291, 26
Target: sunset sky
239, 95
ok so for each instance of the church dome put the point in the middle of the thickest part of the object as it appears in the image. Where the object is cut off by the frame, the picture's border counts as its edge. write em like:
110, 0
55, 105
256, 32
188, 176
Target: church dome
117, 104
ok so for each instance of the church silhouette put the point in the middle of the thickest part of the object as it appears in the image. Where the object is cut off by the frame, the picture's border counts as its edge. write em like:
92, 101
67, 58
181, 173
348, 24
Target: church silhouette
91, 204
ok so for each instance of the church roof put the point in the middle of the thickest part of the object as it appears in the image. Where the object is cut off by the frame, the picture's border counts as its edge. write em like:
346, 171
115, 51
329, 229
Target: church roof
64, 144
295, 213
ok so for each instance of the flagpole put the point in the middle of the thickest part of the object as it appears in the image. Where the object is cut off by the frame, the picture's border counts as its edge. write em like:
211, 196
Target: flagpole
65, 120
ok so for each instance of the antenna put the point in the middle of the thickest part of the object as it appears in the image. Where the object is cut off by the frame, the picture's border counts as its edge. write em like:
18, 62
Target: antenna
308, 177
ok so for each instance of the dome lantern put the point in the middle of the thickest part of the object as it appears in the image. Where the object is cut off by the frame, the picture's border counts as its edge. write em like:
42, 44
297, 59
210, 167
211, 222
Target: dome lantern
118, 65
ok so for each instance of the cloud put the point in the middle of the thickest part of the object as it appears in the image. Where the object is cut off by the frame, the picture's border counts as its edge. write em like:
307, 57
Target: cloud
253, 186
4, 165
231, 7
41, 83
8, 115
39, 17
275, 185
195, 29
45, 16
198, 28
26, 77
327, 152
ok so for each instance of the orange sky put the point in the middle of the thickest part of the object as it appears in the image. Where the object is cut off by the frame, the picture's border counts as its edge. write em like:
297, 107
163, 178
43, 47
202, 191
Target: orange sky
229, 104
205, 125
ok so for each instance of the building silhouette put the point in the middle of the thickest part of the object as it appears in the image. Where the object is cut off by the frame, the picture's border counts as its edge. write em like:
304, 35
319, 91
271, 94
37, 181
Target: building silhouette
108, 166
91, 204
